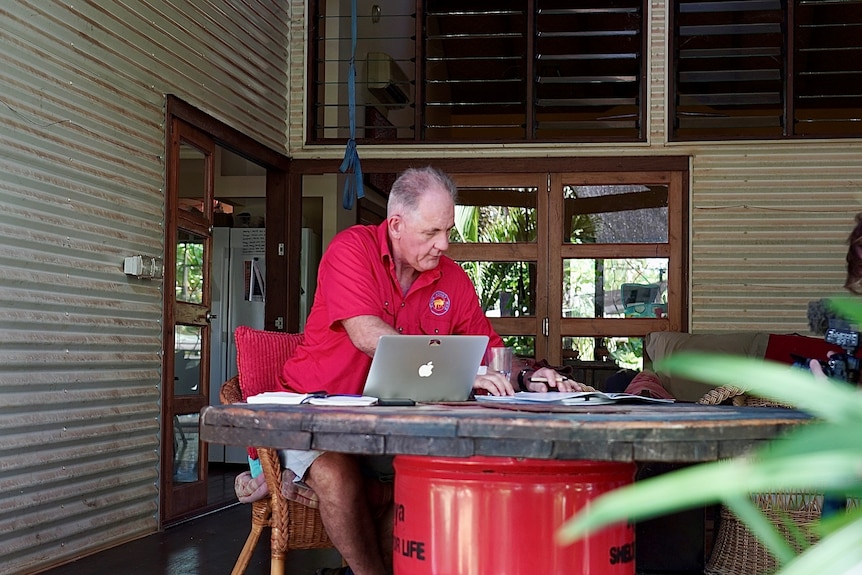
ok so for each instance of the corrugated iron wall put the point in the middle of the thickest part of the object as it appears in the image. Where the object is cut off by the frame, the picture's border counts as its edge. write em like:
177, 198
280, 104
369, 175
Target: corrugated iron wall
657, 47
769, 220
769, 228
81, 187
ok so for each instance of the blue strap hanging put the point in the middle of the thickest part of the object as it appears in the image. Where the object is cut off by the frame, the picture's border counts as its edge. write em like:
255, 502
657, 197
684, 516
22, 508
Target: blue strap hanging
353, 185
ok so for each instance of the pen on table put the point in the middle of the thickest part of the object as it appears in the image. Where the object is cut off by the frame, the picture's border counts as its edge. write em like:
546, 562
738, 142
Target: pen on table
545, 379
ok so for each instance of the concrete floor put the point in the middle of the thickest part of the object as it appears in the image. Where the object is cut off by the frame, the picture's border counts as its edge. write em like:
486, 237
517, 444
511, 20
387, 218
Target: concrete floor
207, 545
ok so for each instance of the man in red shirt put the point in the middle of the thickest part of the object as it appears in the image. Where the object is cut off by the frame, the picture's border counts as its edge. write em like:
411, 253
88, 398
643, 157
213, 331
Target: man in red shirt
373, 281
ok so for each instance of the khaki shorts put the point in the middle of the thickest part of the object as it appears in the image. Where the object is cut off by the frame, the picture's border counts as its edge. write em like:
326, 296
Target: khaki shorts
299, 460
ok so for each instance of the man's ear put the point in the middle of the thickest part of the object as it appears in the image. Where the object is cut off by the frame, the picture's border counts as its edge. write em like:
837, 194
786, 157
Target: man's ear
394, 224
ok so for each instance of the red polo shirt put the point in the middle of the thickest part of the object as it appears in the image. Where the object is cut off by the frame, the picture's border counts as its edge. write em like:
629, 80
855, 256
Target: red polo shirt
357, 277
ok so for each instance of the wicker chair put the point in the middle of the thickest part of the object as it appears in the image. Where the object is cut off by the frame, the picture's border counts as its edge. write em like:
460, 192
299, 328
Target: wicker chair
294, 524
736, 550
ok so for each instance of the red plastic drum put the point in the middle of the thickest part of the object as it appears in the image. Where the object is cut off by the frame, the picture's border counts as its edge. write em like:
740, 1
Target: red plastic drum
498, 516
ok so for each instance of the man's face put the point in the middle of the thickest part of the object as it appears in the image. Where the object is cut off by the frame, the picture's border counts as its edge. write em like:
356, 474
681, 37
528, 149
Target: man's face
420, 238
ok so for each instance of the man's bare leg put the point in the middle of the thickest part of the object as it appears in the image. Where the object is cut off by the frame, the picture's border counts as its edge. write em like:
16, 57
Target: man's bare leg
380, 500
340, 488
385, 532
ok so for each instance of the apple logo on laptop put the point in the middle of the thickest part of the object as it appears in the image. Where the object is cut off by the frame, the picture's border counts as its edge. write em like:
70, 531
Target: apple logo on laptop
425, 369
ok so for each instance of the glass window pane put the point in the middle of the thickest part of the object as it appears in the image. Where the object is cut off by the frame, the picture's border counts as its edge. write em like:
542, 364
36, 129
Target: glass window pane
190, 272
186, 448
607, 352
489, 71
506, 289
613, 288
385, 71
495, 215
615, 214
192, 184
187, 359
524, 346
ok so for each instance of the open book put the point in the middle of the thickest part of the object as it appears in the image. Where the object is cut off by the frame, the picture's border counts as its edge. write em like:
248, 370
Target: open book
569, 398
290, 398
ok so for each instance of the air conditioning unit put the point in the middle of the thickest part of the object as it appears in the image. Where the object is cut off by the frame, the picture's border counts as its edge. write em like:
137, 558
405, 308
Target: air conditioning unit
386, 81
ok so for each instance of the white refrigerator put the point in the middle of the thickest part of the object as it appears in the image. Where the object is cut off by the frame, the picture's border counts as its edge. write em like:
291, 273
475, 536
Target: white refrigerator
238, 298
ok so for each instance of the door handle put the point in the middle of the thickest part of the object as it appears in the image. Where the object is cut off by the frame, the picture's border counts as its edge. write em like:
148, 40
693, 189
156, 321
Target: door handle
210, 316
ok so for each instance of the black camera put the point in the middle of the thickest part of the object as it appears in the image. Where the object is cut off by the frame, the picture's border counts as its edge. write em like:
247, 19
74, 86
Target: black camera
843, 366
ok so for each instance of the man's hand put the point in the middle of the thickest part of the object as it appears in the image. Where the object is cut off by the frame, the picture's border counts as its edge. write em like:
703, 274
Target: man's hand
494, 383
815, 366
553, 381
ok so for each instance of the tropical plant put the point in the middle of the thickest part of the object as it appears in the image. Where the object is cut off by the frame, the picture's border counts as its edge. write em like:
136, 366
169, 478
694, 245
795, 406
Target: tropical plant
496, 224
824, 456
190, 257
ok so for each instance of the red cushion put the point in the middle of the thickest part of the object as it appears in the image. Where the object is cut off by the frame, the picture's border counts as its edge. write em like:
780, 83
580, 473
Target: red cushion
260, 355
782, 347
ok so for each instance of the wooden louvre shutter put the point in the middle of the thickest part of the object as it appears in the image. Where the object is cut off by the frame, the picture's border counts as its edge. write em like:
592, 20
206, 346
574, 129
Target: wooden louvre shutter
589, 65
827, 66
476, 69
538, 70
729, 69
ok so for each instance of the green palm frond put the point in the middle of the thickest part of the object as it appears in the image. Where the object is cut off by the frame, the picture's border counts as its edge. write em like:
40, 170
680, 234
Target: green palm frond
824, 456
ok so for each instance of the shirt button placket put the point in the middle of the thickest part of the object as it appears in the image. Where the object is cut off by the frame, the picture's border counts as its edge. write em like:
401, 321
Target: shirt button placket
403, 305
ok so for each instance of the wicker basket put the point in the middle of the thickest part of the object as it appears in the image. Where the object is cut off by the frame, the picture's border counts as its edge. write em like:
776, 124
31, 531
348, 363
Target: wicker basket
736, 550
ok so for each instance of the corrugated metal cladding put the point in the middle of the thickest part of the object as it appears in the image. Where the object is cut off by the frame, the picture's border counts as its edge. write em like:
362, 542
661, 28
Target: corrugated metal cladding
298, 52
657, 50
769, 231
81, 187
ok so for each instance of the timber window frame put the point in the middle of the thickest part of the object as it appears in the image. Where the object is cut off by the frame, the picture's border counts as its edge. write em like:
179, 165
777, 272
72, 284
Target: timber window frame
473, 71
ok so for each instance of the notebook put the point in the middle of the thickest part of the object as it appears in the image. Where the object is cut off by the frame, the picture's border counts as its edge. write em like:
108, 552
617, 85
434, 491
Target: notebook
425, 367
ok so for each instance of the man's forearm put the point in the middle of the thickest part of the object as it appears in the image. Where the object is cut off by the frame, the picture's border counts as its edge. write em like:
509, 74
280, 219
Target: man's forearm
365, 330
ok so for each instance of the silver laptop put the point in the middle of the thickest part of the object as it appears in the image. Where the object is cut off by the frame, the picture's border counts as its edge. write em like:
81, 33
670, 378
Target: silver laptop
425, 367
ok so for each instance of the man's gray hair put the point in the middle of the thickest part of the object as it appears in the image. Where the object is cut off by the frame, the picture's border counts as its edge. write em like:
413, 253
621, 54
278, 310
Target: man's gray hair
412, 184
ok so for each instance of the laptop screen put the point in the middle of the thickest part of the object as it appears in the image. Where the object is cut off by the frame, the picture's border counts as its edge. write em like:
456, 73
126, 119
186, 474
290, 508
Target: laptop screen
425, 367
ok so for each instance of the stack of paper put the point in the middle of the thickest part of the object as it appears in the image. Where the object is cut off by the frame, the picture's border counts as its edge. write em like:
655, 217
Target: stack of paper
569, 398
290, 398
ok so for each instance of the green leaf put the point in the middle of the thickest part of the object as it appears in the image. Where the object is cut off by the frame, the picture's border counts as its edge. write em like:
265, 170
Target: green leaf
823, 456
848, 308
838, 554
826, 398
747, 512
713, 483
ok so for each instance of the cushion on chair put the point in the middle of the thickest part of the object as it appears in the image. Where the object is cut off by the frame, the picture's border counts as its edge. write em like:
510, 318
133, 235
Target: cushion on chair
659, 345
649, 383
260, 355
782, 347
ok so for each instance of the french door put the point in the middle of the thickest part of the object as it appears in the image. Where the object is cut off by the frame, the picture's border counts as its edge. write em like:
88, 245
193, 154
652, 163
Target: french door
576, 266
187, 331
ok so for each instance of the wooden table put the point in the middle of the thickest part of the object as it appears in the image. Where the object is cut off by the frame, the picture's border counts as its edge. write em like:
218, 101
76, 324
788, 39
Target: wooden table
624, 434
681, 432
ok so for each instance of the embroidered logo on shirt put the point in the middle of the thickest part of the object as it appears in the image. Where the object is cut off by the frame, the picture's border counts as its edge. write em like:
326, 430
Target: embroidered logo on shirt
439, 303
